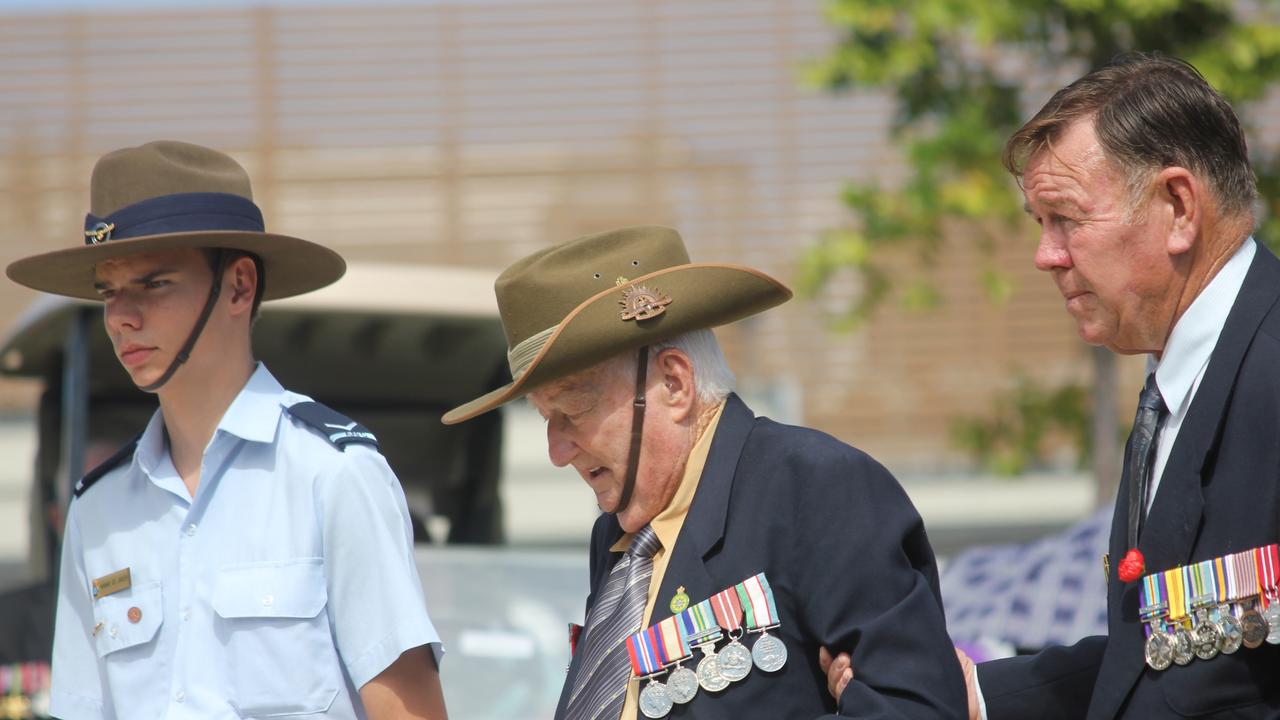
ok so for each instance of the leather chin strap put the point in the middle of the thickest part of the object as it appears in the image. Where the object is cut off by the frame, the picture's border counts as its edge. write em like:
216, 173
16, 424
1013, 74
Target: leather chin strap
637, 430
220, 265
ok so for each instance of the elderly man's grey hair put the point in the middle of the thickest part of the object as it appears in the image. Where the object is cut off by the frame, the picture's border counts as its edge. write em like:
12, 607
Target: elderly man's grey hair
712, 378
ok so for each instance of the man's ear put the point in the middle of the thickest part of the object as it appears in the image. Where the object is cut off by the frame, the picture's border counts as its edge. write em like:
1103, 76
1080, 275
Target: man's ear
676, 389
240, 282
1185, 196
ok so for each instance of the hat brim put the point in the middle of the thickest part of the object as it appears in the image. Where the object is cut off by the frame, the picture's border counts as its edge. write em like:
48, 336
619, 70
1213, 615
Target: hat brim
703, 296
292, 266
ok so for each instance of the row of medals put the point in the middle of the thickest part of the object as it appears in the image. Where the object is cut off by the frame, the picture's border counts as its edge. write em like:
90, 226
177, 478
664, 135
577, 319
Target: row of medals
1216, 629
715, 672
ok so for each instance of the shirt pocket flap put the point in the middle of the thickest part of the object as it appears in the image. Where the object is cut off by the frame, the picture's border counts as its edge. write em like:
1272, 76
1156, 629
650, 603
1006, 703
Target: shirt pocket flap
289, 589
126, 620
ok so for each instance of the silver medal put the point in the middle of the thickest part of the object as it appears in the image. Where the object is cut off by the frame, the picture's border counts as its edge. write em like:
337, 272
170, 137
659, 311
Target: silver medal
1272, 616
1183, 647
1159, 650
1231, 633
709, 676
655, 702
1204, 639
682, 684
769, 653
734, 661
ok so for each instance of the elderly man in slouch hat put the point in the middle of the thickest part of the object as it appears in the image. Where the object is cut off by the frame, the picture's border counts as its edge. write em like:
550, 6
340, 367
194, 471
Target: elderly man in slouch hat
1139, 178
731, 547
239, 558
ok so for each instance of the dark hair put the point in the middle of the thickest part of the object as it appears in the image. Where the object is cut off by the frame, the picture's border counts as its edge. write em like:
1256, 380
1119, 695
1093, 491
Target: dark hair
230, 255
1150, 112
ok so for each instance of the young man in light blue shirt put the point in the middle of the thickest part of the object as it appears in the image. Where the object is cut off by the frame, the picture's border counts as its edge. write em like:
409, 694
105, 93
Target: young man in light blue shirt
250, 554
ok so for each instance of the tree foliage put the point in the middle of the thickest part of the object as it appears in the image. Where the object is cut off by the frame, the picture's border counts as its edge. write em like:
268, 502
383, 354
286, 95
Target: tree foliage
957, 71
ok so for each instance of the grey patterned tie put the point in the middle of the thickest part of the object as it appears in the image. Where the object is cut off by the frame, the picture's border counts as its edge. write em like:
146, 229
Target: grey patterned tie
1146, 426
605, 670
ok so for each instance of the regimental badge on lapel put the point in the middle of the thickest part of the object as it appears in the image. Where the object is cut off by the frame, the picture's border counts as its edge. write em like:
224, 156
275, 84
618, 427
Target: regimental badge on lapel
679, 601
640, 302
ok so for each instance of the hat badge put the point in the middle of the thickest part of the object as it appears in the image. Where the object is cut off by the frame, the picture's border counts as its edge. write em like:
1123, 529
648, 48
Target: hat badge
100, 233
640, 302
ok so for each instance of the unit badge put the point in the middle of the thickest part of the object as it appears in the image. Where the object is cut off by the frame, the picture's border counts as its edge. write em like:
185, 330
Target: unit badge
642, 303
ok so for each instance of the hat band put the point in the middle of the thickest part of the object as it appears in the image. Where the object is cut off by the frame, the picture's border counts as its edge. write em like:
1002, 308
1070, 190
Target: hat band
177, 213
522, 355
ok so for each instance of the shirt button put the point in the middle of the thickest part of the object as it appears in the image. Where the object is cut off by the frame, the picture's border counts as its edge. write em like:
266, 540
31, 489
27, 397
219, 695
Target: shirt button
114, 631
180, 696
268, 600
191, 529
186, 613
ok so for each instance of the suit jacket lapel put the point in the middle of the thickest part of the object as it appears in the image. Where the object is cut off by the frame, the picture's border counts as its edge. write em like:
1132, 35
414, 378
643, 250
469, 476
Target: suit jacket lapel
1169, 532
704, 526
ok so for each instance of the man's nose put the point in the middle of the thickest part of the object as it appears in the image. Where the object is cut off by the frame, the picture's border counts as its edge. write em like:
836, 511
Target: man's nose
560, 447
122, 314
1052, 252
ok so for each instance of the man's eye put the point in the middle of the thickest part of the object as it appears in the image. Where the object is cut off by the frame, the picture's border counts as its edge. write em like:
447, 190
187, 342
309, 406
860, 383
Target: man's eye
106, 294
154, 284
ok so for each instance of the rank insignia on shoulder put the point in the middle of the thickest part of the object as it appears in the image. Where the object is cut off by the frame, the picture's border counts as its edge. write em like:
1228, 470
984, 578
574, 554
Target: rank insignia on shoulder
338, 428
111, 463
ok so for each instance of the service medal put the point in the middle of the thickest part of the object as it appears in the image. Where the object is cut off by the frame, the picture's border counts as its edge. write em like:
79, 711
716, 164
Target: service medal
682, 684
709, 675
1183, 648
734, 660
1231, 633
769, 653
655, 702
1159, 650
1253, 629
1205, 637
1271, 618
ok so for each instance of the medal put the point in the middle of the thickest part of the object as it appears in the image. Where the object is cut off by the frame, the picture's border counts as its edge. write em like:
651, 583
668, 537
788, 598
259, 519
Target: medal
679, 601
768, 653
654, 701
701, 630
1159, 647
1268, 565
648, 655
682, 683
1204, 634
1231, 632
1183, 651
1253, 628
734, 660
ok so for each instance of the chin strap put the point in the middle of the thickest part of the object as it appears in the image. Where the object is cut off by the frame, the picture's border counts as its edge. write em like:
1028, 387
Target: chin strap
220, 264
637, 430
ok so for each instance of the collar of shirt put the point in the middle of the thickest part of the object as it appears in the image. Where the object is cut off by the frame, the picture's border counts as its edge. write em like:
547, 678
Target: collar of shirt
667, 523
253, 416
1196, 333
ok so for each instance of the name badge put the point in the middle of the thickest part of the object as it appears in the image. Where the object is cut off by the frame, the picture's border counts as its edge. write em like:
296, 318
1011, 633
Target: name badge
111, 584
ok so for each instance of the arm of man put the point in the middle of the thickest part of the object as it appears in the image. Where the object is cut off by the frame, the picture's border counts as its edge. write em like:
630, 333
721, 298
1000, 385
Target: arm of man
866, 583
1054, 684
408, 690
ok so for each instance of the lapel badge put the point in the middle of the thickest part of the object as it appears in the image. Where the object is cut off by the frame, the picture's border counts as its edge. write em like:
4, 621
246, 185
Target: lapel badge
679, 601
642, 303
110, 584
100, 233
1106, 567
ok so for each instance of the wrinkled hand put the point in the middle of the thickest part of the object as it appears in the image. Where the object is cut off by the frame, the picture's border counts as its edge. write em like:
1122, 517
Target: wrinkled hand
970, 673
839, 671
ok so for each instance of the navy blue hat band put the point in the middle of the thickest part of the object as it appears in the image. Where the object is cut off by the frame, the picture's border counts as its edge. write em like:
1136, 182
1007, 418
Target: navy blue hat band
181, 212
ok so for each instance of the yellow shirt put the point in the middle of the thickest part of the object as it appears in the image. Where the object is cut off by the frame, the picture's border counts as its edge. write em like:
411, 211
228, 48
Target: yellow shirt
667, 526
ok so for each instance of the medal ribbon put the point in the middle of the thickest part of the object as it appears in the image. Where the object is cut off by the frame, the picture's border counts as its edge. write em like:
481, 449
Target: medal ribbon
1177, 598
1267, 566
1247, 562
646, 650
1208, 590
757, 600
728, 609
674, 645
1222, 578
698, 623
1150, 600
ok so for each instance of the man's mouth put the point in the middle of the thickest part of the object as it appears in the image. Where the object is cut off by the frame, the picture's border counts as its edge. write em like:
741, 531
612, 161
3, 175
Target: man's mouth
132, 355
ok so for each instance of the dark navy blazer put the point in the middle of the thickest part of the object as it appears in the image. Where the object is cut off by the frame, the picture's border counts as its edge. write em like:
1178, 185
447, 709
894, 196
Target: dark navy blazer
847, 558
1218, 495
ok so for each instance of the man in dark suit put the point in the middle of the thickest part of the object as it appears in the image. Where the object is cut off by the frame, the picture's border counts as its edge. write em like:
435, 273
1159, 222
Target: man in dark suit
700, 495
1139, 178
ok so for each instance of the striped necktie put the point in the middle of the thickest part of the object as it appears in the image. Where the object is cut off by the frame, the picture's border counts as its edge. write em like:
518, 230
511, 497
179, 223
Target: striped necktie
601, 685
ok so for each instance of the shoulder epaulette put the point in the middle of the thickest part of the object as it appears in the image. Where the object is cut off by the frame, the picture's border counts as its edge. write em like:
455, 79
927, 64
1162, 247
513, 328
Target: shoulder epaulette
338, 428
107, 466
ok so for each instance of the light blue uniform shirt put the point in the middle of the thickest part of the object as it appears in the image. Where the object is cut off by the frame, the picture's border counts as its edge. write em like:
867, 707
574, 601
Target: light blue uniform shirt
281, 588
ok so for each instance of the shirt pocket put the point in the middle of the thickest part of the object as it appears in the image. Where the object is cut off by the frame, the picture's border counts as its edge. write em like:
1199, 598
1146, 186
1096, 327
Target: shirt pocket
280, 658
128, 619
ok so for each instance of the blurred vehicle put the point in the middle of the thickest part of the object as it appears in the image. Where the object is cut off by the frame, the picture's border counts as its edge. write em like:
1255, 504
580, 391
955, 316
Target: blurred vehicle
394, 347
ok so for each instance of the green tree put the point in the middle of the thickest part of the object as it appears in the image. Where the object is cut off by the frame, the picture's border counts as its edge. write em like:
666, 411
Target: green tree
957, 70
